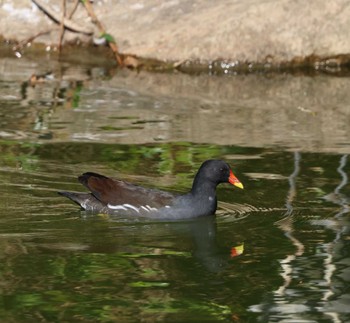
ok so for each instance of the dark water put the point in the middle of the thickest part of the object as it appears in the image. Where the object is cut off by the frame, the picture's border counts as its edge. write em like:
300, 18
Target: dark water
278, 251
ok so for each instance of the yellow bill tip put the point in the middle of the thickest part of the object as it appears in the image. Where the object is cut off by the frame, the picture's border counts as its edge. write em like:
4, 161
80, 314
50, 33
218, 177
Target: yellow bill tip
234, 180
239, 184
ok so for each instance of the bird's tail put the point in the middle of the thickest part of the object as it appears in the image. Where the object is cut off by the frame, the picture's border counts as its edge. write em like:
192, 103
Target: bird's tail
85, 200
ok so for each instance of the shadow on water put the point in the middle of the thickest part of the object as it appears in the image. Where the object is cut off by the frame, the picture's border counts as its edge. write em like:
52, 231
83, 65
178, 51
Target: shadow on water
277, 251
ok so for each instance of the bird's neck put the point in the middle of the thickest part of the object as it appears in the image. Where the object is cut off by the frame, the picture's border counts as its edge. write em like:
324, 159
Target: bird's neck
204, 188
203, 195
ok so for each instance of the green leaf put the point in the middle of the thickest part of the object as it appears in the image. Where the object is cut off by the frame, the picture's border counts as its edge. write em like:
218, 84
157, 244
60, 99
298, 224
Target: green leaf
108, 37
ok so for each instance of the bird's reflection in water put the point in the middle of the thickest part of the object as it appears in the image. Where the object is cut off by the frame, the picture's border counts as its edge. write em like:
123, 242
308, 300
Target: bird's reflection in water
196, 238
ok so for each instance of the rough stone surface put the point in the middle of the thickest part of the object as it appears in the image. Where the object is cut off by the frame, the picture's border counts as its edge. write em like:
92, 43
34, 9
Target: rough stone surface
177, 30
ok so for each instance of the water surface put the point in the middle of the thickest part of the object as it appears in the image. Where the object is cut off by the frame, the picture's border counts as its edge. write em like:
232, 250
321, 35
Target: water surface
277, 251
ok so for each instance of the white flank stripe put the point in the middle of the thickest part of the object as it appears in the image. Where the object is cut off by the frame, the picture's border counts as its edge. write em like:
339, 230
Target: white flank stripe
132, 207
116, 207
151, 208
126, 207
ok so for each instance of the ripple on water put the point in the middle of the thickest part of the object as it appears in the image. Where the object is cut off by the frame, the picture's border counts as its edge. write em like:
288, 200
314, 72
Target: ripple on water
232, 212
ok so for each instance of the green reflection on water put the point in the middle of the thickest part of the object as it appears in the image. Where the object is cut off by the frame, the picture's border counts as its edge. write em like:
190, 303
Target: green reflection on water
58, 264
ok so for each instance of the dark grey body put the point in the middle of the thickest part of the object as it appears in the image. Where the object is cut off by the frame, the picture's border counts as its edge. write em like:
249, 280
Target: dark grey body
115, 197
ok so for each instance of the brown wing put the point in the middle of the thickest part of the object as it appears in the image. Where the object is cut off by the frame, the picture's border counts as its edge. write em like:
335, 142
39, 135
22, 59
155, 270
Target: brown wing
116, 192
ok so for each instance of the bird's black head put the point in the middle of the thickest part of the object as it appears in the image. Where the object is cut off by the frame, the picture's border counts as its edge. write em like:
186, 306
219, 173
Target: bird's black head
217, 171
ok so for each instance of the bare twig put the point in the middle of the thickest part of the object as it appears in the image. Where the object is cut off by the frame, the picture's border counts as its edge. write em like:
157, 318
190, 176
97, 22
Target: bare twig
62, 26
74, 9
56, 16
23, 43
113, 46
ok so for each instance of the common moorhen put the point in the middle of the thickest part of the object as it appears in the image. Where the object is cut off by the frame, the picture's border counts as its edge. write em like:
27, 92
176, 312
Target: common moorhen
116, 197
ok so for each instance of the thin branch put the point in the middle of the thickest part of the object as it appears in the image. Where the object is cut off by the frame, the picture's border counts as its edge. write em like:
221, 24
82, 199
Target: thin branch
113, 46
75, 6
62, 26
22, 43
56, 17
